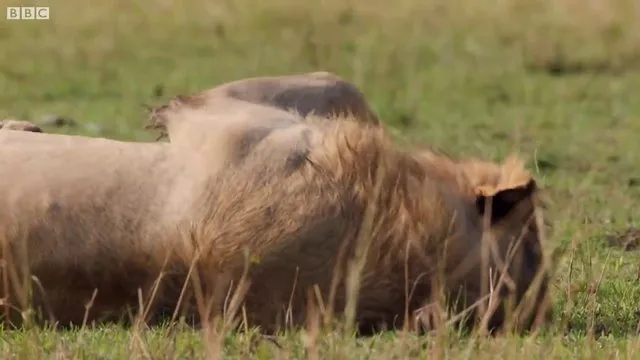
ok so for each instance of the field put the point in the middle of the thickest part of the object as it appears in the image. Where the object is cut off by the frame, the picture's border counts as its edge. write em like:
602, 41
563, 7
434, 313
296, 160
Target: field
556, 80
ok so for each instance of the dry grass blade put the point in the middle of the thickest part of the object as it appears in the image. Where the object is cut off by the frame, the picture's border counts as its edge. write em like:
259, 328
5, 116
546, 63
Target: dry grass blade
363, 241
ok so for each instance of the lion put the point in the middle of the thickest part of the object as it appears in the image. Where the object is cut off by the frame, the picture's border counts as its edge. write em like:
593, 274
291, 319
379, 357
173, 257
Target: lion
317, 210
296, 196
322, 93
78, 205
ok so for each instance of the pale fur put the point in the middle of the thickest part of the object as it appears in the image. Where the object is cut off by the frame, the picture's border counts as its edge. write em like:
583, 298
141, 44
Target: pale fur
90, 213
321, 93
19, 125
81, 205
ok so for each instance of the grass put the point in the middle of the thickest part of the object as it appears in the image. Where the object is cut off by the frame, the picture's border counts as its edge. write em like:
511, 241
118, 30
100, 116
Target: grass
556, 80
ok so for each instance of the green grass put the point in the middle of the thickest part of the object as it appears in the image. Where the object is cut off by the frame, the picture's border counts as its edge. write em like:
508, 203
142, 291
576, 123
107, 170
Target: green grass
556, 80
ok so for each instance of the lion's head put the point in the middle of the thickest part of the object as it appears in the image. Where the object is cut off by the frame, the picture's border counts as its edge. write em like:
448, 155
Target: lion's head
511, 269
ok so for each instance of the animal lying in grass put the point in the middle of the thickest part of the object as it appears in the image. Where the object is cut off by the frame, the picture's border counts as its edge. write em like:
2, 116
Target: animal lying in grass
321, 93
297, 194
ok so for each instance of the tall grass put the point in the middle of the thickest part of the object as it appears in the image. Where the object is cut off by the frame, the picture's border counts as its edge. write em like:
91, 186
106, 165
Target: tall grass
556, 80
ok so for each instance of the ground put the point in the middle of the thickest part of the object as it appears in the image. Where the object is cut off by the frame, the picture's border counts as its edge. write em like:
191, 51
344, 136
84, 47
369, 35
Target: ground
556, 80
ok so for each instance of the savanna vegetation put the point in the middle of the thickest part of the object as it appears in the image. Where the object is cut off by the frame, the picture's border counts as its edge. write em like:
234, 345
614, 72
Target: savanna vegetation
554, 80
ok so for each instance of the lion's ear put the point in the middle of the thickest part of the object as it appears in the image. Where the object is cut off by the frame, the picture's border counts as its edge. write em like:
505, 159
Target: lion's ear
505, 200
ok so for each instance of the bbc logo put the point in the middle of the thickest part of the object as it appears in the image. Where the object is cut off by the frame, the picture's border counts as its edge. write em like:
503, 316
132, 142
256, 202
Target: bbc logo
27, 13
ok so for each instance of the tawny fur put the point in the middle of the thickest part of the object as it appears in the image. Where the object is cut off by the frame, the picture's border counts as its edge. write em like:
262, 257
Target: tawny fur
295, 226
19, 125
104, 214
90, 214
321, 93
